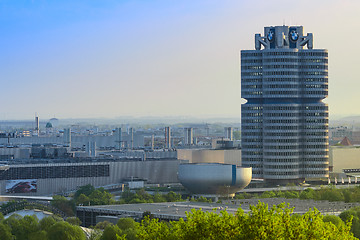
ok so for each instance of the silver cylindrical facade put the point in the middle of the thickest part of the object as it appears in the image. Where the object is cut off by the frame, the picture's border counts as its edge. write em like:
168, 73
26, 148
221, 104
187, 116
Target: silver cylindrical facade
284, 123
213, 178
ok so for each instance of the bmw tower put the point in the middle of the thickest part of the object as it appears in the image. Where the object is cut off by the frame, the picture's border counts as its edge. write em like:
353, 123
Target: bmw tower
284, 122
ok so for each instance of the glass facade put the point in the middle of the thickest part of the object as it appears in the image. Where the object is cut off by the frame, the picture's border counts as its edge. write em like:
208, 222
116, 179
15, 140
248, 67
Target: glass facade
44, 172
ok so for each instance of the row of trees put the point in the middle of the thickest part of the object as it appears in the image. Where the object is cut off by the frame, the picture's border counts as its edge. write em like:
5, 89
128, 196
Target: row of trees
353, 213
329, 193
141, 196
87, 195
48, 228
278, 222
260, 223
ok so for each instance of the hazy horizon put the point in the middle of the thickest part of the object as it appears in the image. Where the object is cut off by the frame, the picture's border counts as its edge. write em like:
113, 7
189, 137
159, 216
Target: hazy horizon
107, 59
167, 118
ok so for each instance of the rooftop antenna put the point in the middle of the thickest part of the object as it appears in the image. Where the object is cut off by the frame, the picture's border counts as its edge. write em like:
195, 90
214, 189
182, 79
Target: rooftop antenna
37, 126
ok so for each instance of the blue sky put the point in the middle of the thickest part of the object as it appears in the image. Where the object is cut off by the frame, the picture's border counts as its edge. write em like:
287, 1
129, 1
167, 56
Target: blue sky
76, 59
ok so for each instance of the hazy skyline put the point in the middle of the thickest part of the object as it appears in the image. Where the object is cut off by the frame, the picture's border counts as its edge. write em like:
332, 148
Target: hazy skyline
77, 59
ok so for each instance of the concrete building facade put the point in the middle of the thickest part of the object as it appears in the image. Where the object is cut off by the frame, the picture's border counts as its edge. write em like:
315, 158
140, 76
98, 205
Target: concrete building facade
343, 158
188, 136
55, 178
228, 156
229, 133
284, 125
167, 137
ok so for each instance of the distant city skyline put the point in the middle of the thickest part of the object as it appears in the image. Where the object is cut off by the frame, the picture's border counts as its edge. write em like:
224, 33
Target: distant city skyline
111, 59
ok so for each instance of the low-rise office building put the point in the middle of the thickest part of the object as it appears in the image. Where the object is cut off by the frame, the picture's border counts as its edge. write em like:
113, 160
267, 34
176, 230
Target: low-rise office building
56, 178
227, 156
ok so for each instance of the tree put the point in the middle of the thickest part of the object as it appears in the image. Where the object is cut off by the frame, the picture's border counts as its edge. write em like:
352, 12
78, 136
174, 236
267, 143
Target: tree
137, 200
65, 231
126, 228
243, 195
237, 135
47, 222
153, 229
201, 199
291, 194
95, 234
129, 228
127, 195
101, 197
261, 222
39, 235
268, 194
353, 216
5, 232
22, 227
331, 194
29, 225
308, 193
89, 195
173, 197
83, 200
103, 225
205, 225
334, 220
74, 221
63, 204
86, 190
127, 223
159, 198
147, 214
111, 232
143, 195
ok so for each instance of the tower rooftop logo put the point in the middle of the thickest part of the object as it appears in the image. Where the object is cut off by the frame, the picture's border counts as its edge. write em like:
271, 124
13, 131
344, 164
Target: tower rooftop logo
284, 123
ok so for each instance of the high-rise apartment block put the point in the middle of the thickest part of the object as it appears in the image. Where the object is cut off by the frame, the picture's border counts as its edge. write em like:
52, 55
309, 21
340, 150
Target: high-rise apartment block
284, 123
118, 138
229, 133
167, 137
37, 125
67, 136
188, 136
